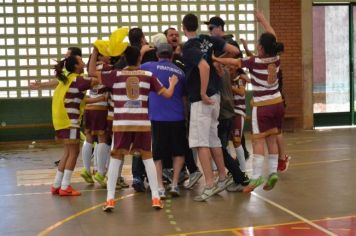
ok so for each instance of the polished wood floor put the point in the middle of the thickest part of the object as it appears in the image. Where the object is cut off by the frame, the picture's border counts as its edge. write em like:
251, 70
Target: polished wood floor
316, 196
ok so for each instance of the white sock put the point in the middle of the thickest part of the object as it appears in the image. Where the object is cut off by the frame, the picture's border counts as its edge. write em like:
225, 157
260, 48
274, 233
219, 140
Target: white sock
101, 158
272, 163
257, 166
113, 172
152, 176
120, 170
108, 153
87, 150
241, 157
58, 179
66, 179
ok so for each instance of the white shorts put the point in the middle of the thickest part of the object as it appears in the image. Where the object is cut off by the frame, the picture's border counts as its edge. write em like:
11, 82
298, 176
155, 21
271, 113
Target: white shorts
203, 126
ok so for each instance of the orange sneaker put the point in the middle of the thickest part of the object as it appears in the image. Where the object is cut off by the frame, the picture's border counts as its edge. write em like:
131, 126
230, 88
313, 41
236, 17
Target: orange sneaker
109, 205
157, 203
69, 192
54, 190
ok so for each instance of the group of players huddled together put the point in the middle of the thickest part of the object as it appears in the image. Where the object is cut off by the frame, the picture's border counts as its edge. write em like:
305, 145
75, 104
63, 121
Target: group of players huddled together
167, 105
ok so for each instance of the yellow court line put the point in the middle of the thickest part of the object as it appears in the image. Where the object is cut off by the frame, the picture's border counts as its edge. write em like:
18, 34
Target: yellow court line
321, 149
42, 193
59, 223
320, 162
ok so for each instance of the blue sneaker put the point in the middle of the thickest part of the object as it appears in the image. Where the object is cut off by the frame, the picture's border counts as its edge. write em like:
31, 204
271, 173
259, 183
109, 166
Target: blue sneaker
138, 185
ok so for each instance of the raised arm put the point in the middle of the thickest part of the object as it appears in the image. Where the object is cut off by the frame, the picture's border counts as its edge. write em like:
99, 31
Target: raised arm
51, 84
266, 25
92, 66
244, 44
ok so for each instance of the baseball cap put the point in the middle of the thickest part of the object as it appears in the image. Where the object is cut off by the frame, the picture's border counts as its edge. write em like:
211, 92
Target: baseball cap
164, 48
215, 20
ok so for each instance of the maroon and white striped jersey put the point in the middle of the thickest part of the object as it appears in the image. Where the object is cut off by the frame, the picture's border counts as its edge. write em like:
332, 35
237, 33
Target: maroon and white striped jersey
240, 101
73, 98
264, 79
130, 90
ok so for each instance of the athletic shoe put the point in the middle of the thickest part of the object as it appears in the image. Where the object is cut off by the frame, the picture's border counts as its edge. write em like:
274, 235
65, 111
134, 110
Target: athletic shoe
138, 185
174, 191
54, 190
193, 179
254, 183
86, 176
162, 193
245, 179
100, 179
183, 176
122, 183
167, 175
69, 191
223, 184
271, 182
207, 193
283, 163
235, 188
109, 205
157, 203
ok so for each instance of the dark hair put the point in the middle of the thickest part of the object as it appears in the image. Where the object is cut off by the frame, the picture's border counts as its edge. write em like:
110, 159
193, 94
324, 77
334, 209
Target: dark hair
165, 55
135, 37
132, 55
270, 45
190, 22
69, 63
75, 51
170, 28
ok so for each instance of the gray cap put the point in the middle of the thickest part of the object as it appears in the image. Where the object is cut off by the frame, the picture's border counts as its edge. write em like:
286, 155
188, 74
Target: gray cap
164, 48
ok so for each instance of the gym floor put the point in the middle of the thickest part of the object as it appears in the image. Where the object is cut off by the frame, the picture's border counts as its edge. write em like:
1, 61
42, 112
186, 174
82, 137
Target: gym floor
316, 196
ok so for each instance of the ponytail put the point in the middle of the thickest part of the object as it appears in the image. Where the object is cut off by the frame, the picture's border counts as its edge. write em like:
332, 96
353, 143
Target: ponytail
269, 44
279, 47
58, 70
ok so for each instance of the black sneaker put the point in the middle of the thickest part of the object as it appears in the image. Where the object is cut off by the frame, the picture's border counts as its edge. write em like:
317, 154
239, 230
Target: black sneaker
138, 185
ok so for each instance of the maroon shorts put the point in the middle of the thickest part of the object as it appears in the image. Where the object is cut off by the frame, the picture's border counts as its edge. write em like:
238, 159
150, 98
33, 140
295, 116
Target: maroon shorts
95, 121
237, 129
68, 136
129, 142
267, 120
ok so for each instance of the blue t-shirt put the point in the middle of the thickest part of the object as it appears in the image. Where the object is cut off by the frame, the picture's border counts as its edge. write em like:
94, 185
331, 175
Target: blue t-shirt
194, 50
159, 107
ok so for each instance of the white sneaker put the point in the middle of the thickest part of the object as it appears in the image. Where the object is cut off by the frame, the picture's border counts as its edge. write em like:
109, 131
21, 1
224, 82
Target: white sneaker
207, 193
162, 193
193, 179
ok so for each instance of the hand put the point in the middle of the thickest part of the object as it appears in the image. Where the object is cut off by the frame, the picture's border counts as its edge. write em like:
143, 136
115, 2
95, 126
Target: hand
35, 85
219, 69
244, 43
206, 100
259, 16
173, 80
95, 50
145, 48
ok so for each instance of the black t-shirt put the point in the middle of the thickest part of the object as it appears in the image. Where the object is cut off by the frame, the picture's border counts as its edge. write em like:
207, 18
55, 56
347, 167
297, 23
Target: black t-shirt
194, 50
148, 56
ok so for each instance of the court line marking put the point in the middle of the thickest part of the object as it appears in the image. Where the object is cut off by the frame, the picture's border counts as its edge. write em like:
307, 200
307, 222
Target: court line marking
42, 193
294, 214
59, 223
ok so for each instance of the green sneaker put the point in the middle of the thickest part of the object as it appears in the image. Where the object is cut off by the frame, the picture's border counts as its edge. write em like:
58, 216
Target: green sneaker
100, 179
271, 182
254, 183
86, 176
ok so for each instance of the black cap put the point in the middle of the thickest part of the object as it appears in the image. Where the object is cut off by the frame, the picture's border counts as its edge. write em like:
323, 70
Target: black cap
215, 20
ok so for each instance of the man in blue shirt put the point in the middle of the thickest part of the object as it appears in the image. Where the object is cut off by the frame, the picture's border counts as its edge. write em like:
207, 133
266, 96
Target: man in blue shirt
167, 117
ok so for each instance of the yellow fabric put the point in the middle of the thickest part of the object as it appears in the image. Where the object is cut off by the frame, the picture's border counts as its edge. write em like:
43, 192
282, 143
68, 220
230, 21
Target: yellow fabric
115, 45
60, 117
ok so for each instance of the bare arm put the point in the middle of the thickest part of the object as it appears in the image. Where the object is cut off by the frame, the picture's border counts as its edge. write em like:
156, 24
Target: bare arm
168, 93
231, 49
228, 61
266, 25
44, 85
92, 67
244, 44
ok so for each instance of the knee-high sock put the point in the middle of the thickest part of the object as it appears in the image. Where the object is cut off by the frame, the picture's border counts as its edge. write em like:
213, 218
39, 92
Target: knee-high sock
257, 165
66, 179
108, 153
272, 163
121, 166
102, 157
241, 157
95, 154
58, 179
86, 155
152, 176
113, 173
